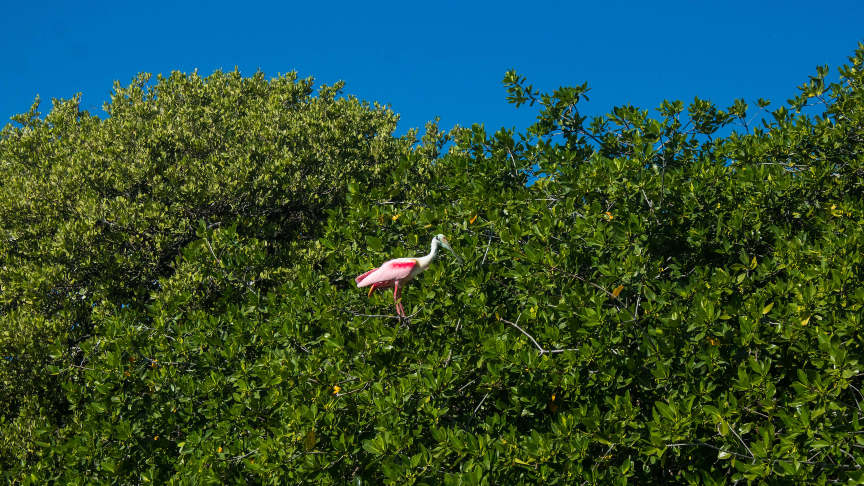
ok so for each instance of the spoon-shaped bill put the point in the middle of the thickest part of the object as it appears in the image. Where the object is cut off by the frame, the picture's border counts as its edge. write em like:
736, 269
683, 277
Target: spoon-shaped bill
446, 244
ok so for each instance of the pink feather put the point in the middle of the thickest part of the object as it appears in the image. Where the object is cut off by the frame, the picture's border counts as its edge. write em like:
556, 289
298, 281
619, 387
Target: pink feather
361, 277
390, 272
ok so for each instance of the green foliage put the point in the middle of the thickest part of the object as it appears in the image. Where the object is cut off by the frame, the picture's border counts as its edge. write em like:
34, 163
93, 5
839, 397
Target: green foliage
661, 306
98, 214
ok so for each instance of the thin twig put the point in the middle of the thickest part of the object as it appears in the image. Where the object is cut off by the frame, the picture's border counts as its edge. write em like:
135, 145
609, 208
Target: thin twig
88, 369
401, 202
525, 333
213, 253
604, 456
750, 457
515, 170
739, 439
238, 458
488, 245
450, 354
464, 387
648, 201
757, 413
481, 403
367, 385
379, 315
157, 330
539, 348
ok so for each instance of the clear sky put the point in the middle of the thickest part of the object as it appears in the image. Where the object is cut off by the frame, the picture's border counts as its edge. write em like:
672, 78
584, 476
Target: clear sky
432, 59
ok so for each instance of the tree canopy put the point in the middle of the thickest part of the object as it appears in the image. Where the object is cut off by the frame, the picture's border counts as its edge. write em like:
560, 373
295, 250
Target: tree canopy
643, 300
96, 213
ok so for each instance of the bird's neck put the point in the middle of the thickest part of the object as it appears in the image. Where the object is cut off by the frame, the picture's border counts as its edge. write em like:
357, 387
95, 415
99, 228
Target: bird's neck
427, 260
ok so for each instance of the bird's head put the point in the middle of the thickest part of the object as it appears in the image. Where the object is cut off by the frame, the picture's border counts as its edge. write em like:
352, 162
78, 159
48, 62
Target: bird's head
442, 240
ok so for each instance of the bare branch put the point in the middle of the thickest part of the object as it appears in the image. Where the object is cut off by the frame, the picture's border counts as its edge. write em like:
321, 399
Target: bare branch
743, 456
378, 315
739, 439
213, 253
367, 385
488, 245
481, 403
539, 348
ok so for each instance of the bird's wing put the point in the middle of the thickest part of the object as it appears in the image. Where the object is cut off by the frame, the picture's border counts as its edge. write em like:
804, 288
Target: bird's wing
389, 271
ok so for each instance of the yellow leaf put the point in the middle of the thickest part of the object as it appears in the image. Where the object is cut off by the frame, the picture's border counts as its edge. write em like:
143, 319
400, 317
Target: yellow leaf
336, 389
472, 219
805, 321
309, 442
497, 316
610, 215
396, 217
156, 438
767, 308
219, 451
522, 462
553, 407
753, 263
712, 341
617, 291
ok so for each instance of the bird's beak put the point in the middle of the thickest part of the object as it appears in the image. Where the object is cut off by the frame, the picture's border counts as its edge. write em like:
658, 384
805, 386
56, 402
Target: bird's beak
446, 244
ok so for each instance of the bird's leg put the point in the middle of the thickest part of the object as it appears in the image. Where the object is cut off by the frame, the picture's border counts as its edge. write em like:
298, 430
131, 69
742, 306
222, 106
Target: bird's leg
402, 307
371, 290
399, 311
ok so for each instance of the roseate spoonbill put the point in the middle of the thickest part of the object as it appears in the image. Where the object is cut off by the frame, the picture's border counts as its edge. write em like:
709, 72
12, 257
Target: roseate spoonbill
399, 271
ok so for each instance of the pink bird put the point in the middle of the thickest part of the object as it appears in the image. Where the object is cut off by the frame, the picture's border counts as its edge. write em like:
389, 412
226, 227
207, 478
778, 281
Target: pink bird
400, 271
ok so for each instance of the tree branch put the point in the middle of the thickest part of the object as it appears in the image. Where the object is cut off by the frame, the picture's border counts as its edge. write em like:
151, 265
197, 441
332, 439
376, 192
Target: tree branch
539, 348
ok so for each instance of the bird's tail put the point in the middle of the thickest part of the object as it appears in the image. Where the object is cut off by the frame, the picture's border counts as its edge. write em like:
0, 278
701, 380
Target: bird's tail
360, 278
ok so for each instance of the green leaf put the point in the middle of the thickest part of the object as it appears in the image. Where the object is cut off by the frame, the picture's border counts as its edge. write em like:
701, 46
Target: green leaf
374, 243
666, 411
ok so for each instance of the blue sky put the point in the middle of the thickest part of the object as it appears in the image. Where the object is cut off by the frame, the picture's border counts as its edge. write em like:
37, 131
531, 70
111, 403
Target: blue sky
432, 59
